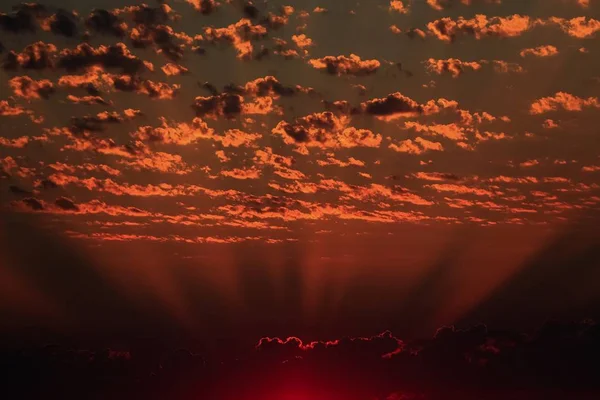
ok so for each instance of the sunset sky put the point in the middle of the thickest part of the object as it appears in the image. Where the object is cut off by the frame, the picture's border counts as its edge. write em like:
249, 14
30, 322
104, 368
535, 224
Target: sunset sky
214, 172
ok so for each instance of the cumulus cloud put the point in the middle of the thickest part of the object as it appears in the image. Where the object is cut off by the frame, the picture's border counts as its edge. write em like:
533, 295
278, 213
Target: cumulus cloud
395, 105
204, 6
113, 56
302, 41
416, 146
174, 69
106, 22
398, 6
564, 101
578, 27
226, 104
453, 66
448, 30
25, 87
38, 56
325, 130
540, 51
240, 35
342, 65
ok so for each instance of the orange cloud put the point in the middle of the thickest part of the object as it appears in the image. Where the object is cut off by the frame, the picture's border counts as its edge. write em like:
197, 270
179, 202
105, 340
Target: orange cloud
562, 100
325, 130
578, 27
24, 86
451, 65
416, 146
398, 6
460, 189
87, 100
331, 160
6, 110
447, 29
242, 174
449, 131
342, 65
171, 69
239, 35
302, 41
540, 51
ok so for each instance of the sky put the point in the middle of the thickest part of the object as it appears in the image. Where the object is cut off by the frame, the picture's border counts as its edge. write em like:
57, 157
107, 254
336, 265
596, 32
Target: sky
208, 173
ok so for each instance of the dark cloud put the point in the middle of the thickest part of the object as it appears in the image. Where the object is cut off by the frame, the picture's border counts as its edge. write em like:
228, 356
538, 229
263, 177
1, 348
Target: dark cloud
394, 104
63, 23
33, 203
226, 104
212, 89
19, 191
250, 10
36, 56
66, 204
22, 19
146, 15
343, 65
115, 56
106, 22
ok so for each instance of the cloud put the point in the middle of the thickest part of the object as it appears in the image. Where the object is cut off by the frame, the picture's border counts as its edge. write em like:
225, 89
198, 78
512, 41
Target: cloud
385, 345
24, 86
113, 56
240, 35
184, 134
325, 130
6, 110
226, 104
146, 15
331, 160
37, 56
163, 38
89, 100
562, 100
203, 6
540, 51
302, 41
460, 189
578, 27
452, 65
66, 204
23, 19
106, 22
440, 5
449, 131
155, 90
174, 69
242, 174
398, 6
395, 105
416, 146
448, 30
61, 23
342, 65
269, 86
550, 124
